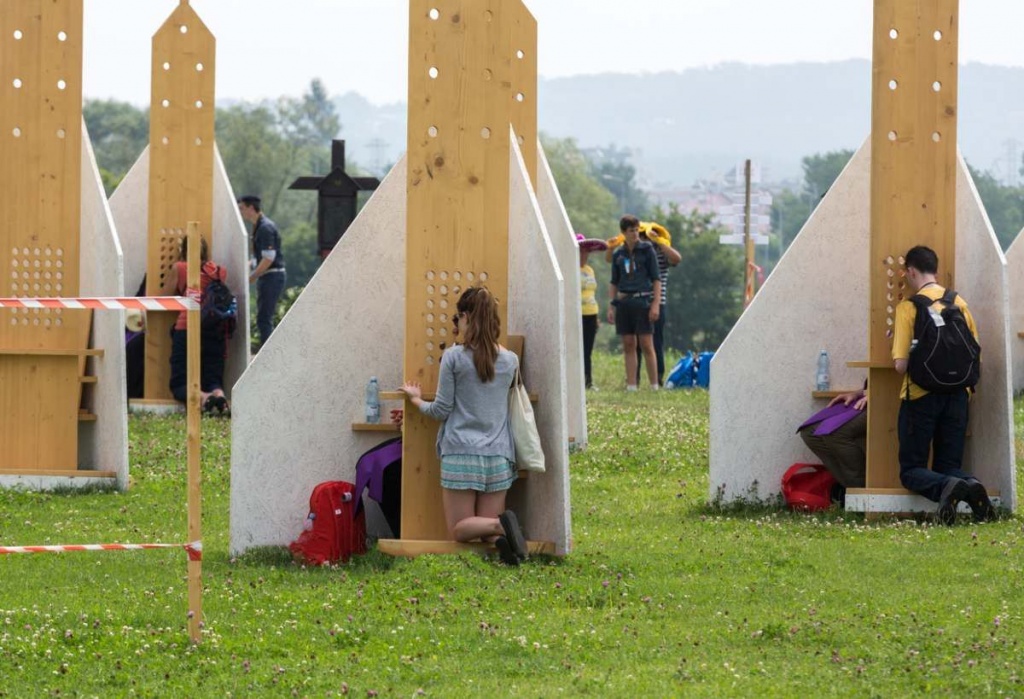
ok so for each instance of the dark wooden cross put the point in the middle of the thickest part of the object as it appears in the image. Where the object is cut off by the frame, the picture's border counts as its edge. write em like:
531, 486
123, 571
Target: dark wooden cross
336, 206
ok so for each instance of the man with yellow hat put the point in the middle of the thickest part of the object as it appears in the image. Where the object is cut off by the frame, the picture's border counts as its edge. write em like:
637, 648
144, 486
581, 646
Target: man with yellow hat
668, 256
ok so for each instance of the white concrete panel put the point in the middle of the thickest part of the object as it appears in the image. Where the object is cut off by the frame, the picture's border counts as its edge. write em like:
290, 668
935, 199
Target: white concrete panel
981, 278
103, 444
563, 238
130, 207
1015, 280
536, 310
294, 406
231, 250
763, 374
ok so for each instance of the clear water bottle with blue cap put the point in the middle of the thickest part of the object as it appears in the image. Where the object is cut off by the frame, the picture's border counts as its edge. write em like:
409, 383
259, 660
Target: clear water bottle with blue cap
373, 401
823, 381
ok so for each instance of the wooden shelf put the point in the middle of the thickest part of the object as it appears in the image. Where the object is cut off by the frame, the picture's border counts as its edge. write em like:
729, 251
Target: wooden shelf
375, 427
88, 379
410, 548
52, 352
992, 493
869, 365
84, 416
72, 473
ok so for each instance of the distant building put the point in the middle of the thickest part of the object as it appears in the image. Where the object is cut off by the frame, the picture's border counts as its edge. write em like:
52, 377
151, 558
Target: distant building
725, 198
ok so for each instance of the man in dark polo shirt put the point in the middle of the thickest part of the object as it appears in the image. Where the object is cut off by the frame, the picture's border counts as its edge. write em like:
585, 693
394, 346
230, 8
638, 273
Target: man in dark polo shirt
635, 291
268, 274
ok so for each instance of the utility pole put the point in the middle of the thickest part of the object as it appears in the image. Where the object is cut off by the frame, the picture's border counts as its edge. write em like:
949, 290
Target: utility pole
748, 241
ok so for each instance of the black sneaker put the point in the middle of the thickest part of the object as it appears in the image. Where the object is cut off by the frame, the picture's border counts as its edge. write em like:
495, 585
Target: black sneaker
977, 498
955, 491
510, 523
505, 552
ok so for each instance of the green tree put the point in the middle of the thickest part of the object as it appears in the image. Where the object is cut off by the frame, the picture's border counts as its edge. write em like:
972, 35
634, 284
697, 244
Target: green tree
705, 291
821, 170
1004, 204
612, 169
119, 133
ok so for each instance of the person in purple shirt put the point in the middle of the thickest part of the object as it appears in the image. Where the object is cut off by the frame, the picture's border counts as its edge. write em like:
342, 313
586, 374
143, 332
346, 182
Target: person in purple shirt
837, 436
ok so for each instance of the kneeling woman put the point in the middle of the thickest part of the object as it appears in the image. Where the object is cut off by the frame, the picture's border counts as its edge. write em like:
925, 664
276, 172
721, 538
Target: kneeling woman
474, 441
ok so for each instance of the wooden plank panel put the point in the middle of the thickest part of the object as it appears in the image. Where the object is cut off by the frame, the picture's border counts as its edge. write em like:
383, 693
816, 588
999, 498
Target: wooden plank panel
913, 185
181, 139
524, 84
40, 199
460, 77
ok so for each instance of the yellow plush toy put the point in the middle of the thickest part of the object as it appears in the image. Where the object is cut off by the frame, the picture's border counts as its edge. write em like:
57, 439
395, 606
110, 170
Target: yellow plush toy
656, 233
616, 241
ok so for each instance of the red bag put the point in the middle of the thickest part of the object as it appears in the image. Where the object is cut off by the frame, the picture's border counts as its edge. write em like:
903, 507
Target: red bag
808, 487
333, 530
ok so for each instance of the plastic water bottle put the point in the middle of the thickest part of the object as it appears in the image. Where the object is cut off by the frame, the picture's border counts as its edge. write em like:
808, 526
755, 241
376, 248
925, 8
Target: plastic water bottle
373, 401
823, 382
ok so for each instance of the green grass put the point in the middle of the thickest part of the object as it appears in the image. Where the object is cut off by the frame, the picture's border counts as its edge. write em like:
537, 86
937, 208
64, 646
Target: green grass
662, 596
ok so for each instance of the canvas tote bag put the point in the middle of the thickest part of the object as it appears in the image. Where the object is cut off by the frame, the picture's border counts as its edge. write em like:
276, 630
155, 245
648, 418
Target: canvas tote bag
529, 456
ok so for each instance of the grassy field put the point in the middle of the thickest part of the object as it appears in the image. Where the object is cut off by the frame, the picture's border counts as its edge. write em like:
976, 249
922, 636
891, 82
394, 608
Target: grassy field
663, 596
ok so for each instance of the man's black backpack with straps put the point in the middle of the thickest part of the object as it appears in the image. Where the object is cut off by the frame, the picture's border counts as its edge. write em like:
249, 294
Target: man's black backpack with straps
944, 357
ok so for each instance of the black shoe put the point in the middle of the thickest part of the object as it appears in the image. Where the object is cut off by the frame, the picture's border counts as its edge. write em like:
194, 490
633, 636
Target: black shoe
955, 491
510, 523
505, 552
981, 506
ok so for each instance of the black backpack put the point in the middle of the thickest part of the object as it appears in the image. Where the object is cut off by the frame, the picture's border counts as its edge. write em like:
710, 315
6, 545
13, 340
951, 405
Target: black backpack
943, 358
219, 308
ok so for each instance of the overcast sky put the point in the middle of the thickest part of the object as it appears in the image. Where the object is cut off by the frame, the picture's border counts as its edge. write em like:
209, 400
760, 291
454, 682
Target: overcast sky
268, 48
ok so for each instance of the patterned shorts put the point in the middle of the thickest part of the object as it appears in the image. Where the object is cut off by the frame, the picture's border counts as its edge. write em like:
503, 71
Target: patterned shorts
486, 474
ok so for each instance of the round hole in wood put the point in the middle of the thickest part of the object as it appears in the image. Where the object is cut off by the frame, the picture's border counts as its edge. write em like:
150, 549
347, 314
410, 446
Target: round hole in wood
200, 67
893, 135
937, 35
485, 133
488, 74
434, 14
62, 36
520, 55
469, 276
17, 83
167, 66
888, 260
456, 275
893, 84
444, 290
430, 359
183, 29
936, 86
165, 140
443, 276
61, 133
18, 35
433, 72
430, 289
165, 103
520, 97
936, 136
61, 84
888, 333
444, 318
199, 104
432, 132
483, 277
16, 132
443, 332
893, 34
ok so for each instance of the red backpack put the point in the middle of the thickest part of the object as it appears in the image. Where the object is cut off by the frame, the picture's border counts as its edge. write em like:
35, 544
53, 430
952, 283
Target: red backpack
808, 487
333, 530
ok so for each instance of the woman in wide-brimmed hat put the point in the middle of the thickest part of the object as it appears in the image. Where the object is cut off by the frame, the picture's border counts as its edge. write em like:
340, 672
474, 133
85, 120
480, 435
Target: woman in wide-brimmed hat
588, 297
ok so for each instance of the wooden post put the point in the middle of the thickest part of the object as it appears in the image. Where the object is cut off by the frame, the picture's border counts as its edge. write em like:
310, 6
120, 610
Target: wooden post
195, 568
913, 188
748, 241
467, 84
181, 156
40, 220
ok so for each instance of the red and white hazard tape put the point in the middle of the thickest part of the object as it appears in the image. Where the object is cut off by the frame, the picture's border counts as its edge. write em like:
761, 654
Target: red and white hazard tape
194, 550
142, 303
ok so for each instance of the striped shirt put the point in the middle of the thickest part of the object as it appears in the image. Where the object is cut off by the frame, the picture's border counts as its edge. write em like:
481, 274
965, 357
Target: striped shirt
662, 274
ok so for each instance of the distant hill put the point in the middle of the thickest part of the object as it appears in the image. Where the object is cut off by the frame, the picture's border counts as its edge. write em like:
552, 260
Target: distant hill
699, 121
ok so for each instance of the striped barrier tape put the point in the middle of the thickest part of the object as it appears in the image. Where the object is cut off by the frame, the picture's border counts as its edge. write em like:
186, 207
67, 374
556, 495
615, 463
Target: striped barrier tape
142, 303
194, 549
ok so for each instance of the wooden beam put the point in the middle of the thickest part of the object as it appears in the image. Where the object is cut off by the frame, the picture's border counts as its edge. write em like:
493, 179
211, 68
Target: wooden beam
181, 141
913, 187
411, 548
194, 426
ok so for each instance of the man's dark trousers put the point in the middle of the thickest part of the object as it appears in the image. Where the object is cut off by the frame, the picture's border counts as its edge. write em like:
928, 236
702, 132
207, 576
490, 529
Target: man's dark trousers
268, 290
939, 421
